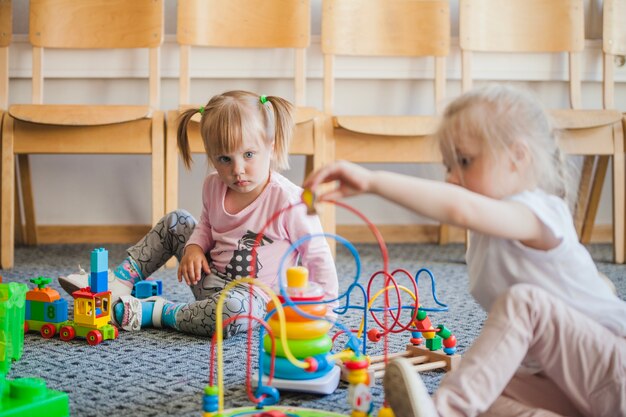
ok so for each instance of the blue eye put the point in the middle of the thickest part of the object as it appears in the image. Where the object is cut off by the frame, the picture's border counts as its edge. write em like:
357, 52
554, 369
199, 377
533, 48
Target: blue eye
223, 159
248, 154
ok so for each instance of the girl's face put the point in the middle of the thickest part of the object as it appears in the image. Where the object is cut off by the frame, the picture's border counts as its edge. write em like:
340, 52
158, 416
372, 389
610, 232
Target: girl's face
477, 169
246, 170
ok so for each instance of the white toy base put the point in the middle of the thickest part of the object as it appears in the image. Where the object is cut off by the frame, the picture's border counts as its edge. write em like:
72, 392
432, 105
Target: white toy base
326, 384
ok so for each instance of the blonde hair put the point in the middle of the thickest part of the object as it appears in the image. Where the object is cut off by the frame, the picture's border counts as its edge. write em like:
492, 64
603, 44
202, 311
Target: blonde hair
499, 116
229, 117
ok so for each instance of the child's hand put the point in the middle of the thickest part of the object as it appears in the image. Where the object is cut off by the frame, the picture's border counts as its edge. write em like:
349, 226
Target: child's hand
191, 266
353, 179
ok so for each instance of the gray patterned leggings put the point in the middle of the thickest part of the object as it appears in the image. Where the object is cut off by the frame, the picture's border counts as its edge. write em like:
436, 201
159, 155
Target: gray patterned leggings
168, 238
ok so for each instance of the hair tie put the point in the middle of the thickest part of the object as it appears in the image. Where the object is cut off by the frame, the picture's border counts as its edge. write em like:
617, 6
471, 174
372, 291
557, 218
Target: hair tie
263, 99
201, 110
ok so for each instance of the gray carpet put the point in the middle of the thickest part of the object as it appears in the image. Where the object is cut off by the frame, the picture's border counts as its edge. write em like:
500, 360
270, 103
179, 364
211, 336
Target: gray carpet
163, 373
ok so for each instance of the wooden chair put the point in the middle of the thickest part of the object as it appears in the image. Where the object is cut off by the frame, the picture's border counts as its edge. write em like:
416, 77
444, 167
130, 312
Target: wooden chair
556, 26
241, 24
6, 29
390, 28
613, 46
85, 129
6, 32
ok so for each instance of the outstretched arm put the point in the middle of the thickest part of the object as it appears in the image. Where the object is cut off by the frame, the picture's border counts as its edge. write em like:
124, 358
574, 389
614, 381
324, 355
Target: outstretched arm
437, 200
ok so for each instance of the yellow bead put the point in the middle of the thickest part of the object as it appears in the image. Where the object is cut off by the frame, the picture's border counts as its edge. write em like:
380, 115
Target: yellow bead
427, 334
308, 197
297, 277
385, 412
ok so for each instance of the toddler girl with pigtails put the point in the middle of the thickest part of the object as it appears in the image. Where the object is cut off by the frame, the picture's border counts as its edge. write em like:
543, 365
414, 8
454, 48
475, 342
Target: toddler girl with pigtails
246, 138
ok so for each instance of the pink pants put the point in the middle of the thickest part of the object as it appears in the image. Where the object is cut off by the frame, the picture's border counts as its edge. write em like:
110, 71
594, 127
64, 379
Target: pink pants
583, 364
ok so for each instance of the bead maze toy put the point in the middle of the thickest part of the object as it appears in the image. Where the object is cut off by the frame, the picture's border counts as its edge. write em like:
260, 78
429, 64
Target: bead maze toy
296, 353
47, 312
22, 396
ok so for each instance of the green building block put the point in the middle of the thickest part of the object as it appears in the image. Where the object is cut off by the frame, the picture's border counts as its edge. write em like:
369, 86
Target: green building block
22, 396
434, 343
31, 397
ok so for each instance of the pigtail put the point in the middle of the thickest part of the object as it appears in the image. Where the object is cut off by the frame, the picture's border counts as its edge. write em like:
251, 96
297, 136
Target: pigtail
183, 138
284, 126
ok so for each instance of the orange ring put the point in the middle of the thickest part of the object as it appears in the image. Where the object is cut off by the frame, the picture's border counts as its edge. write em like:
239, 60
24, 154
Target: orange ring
317, 310
301, 330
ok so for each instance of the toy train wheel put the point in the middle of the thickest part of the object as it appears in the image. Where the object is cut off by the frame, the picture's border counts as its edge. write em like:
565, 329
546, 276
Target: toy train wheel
26, 328
67, 333
94, 337
47, 331
117, 332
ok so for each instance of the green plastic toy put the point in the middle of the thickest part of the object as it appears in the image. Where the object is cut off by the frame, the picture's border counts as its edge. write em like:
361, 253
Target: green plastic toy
22, 396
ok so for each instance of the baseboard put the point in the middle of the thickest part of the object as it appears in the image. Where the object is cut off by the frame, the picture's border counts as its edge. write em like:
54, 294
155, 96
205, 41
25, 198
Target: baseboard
399, 233
91, 233
405, 233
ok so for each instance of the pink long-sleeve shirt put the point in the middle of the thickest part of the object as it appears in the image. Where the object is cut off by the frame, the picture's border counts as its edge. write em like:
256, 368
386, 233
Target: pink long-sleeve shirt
228, 238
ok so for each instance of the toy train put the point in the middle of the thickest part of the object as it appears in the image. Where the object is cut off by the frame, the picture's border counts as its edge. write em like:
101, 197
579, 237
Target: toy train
47, 312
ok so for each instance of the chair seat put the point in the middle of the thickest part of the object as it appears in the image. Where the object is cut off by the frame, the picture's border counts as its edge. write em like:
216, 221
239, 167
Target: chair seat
306, 114
388, 125
78, 115
583, 119
587, 132
386, 139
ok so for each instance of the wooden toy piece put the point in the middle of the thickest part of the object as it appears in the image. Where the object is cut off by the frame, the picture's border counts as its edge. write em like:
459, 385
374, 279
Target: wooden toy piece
421, 357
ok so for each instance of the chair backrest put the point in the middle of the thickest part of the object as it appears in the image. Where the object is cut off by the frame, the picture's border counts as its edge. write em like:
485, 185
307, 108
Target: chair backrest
613, 44
244, 24
385, 28
96, 24
523, 26
6, 29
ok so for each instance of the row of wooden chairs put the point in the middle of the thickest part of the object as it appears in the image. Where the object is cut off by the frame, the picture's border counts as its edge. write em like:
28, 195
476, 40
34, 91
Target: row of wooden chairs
419, 28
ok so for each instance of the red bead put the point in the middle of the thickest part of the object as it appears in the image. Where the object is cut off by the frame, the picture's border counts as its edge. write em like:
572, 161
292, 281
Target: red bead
374, 335
450, 341
312, 364
355, 364
417, 341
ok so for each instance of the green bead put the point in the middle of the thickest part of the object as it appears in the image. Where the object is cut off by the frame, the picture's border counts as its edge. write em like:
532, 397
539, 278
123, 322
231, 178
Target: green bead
443, 332
211, 390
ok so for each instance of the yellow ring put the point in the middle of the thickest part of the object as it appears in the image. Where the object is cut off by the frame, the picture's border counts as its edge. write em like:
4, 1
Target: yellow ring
301, 330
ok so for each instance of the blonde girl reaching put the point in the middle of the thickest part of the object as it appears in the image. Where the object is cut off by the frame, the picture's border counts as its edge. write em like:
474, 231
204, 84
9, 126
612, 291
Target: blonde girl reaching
246, 138
554, 340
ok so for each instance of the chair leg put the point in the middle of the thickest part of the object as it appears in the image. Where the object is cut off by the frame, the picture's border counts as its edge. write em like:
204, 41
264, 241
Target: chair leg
582, 199
594, 198
7, 196
619, 196
444, 234
23, 169
20, 233
171, 171
309, 165
158, 167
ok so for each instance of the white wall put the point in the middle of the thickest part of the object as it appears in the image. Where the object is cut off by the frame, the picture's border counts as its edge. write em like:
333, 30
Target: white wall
115, 189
